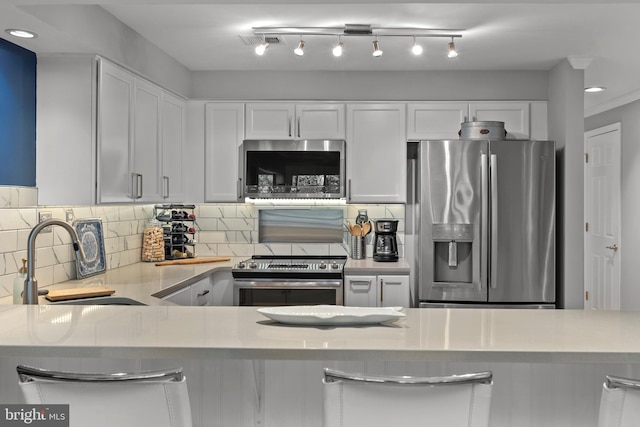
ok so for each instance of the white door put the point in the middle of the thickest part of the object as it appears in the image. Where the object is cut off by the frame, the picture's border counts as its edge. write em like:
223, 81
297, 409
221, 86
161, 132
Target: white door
270, 120
146, 147
173, 141
515, 116
360, 291
602, 218
320, 121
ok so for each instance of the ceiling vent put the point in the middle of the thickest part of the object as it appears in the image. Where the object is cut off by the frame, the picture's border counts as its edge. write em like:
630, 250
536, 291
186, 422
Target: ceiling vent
257, 40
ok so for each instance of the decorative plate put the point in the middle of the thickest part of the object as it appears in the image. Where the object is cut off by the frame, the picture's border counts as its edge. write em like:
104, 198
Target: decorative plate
91, 238
331, 314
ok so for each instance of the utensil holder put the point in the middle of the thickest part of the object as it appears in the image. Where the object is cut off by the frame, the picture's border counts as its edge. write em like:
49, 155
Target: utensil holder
358, 247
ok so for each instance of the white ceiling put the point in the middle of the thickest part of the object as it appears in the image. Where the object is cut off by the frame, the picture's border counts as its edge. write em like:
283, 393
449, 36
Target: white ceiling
502, 35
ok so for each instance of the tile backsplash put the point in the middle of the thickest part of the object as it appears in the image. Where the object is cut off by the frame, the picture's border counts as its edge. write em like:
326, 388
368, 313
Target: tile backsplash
222, 229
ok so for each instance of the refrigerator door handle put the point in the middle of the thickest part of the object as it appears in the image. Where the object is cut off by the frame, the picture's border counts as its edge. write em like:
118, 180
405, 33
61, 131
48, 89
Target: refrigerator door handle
484, 232
494, 221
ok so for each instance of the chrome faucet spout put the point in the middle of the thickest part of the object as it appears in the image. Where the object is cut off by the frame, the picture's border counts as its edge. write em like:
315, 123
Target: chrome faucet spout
30, 293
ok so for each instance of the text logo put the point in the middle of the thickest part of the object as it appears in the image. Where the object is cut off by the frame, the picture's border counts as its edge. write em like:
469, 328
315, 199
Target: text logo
34, 415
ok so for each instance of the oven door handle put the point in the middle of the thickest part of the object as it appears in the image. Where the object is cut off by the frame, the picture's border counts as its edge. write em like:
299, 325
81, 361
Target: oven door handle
287, 284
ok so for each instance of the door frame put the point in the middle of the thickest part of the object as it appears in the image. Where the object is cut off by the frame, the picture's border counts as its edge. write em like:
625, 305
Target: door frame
599, 131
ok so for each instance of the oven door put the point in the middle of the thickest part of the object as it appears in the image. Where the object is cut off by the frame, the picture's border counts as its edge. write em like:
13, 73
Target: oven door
260, 292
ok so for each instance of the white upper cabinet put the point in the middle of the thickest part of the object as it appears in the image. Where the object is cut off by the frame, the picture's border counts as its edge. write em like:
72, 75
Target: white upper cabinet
140, 139
284, 120
435, 120
376, 153
224, 124
115, 134
441, 120
173, 142
320, 121
515, 116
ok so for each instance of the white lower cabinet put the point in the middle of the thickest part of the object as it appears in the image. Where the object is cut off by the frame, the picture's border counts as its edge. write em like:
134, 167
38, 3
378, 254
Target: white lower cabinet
214, 290
377, 291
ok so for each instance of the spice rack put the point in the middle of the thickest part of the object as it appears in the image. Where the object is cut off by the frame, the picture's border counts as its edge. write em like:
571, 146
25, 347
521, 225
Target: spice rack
178, 229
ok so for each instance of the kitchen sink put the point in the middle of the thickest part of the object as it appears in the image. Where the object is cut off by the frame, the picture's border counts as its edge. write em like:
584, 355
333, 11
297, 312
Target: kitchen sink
101, 301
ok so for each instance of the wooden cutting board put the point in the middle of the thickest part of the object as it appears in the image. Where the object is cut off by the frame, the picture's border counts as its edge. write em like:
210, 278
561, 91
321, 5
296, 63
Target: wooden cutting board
194, 260
75, 293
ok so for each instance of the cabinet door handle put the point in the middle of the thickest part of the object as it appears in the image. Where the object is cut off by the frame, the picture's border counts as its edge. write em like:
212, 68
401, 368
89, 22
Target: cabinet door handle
134, 185
298, 126
290, 126
381, 290
139, 186
349, 189
203, 293
239, 189
165, 179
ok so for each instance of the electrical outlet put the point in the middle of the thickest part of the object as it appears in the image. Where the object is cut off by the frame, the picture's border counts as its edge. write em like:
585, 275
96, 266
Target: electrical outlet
43, 217
70, 217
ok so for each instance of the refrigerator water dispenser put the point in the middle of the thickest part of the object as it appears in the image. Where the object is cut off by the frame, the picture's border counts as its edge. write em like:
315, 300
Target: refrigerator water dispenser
453, 259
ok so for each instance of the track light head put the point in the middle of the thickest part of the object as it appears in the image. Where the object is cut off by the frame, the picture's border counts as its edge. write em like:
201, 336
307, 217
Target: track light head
261, 48
300, 49
377, 52
452, 50
416, 49
337, 50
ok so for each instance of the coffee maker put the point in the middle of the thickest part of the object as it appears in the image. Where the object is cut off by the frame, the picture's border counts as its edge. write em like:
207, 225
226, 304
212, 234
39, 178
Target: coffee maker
385, 244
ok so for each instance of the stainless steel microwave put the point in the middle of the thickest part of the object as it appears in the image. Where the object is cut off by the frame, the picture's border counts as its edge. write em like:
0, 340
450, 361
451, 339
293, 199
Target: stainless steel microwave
292, 168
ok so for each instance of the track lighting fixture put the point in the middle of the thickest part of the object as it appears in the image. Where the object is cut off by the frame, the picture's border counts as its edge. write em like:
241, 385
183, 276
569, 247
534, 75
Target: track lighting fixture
416, 49
337, 50
300, 49
261, 48
377, 52
452, 49
356, 30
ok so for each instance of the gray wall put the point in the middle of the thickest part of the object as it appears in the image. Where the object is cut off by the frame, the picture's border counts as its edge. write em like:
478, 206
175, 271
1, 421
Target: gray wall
628, 116
566, 127
369, 85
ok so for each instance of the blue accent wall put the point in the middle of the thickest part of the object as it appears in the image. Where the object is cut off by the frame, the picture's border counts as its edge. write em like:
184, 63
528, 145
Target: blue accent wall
17, 115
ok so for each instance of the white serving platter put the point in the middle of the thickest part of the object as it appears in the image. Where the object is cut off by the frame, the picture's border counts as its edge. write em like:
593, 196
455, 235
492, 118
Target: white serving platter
331, 314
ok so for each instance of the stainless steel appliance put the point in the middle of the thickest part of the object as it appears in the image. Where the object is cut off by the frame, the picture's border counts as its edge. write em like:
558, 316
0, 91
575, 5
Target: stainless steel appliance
484, 217
385, 243
292, 168
289, 280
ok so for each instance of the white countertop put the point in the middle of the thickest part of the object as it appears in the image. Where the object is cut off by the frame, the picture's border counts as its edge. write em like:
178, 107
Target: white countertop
491, 335
147, 283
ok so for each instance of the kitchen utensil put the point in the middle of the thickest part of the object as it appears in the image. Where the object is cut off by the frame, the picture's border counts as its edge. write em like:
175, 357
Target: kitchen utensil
356, 230
482, 130
74, 293
194, 261
366, 228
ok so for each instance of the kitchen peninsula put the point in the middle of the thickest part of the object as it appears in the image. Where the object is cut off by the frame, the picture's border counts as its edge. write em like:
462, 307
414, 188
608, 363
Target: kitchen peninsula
246, 370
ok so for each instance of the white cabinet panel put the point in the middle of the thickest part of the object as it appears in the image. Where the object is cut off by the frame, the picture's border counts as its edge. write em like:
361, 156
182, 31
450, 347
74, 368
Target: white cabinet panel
435, 120
146, 141
360, 291
202, 292
515, 116
376, 153
181, 297
270, 120
173, 146
394, 291
320, 121
223, 136
115, 127
539, 121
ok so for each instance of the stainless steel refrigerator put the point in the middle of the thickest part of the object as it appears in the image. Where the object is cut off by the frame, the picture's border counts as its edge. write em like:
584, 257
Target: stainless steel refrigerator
482, 217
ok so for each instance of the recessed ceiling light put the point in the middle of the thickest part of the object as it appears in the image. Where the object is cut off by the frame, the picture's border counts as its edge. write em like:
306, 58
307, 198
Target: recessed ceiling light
594, 89
21, 33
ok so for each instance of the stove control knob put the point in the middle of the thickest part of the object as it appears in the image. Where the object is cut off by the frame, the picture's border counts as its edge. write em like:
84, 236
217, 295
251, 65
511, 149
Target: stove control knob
334, 265
253, 265
322, 265
241, 264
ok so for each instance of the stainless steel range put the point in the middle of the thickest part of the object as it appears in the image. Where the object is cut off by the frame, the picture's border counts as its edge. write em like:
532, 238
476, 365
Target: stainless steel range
289, 280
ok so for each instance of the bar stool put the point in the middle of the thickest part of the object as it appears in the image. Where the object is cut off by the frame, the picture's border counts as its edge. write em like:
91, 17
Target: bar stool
154, 398
620, 402
354, 400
